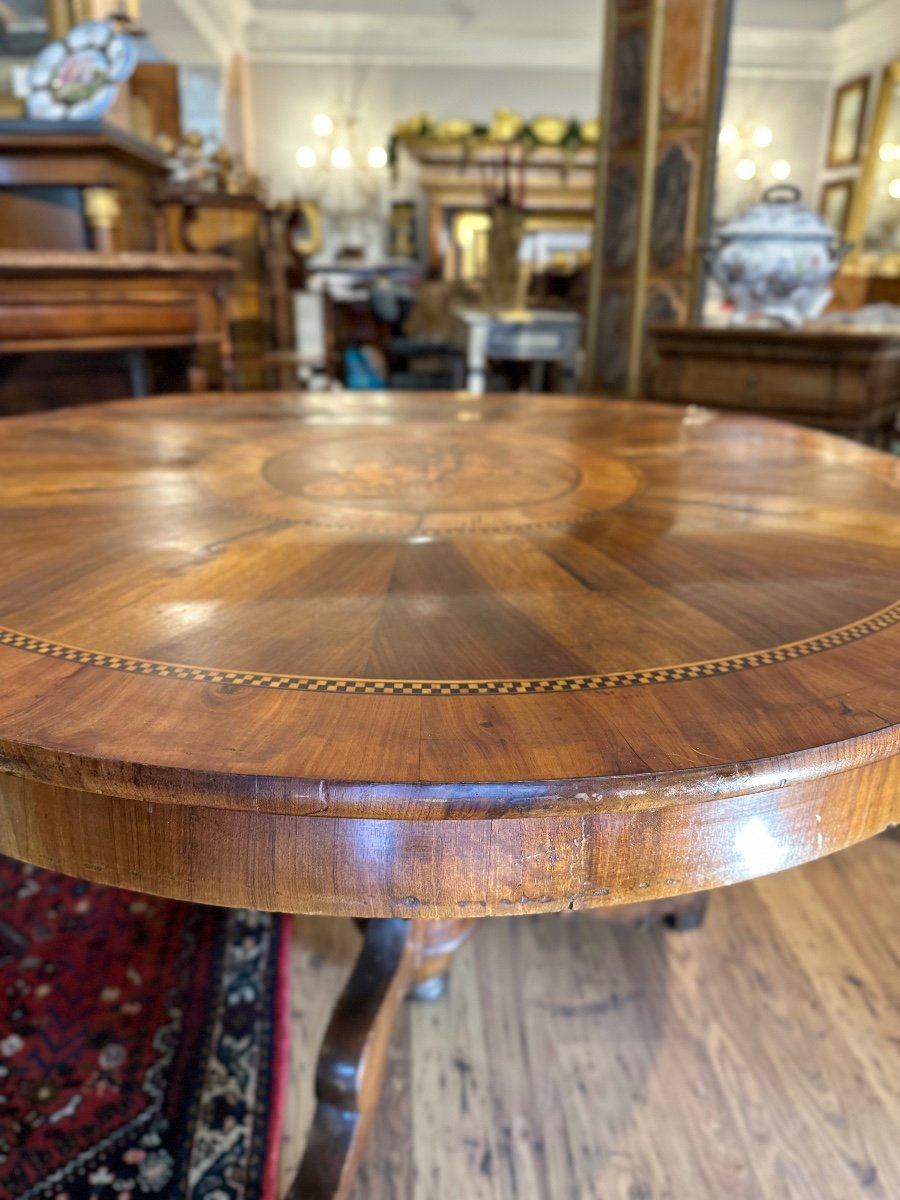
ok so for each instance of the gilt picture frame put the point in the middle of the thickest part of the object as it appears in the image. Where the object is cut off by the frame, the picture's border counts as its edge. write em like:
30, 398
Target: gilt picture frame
403, 237
867, 227
835, 203
847, 120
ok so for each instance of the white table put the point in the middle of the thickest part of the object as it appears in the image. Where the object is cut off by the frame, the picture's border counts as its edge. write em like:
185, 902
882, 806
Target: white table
537, 336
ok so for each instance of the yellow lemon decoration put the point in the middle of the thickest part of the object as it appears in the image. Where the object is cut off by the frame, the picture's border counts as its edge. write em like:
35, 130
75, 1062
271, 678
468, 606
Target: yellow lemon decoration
413, 127
549, 130
590, 132
454, 131
506, 125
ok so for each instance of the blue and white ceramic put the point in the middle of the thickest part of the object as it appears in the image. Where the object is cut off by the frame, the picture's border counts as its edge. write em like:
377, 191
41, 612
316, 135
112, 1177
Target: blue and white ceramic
774, 261
75, 79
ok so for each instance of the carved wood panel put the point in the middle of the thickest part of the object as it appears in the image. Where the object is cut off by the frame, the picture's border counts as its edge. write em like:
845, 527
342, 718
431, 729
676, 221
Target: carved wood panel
661, 99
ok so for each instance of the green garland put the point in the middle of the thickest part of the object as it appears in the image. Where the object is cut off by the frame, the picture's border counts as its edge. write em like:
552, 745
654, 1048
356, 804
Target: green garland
480, 135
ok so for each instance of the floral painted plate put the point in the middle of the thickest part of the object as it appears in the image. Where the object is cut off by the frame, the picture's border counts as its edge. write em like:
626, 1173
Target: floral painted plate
75, 79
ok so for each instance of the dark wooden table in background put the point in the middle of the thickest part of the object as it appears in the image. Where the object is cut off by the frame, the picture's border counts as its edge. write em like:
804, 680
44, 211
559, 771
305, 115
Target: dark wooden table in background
844, 379
425, 658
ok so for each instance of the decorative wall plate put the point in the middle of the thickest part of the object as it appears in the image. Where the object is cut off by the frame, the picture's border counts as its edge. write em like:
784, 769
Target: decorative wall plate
75, 78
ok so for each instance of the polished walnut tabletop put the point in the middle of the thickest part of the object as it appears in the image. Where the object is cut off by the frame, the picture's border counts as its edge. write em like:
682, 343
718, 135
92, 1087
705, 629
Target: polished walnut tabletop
412, 654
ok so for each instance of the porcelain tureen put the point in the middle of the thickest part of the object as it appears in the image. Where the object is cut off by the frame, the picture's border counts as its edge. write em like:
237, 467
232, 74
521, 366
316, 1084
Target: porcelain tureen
775, 260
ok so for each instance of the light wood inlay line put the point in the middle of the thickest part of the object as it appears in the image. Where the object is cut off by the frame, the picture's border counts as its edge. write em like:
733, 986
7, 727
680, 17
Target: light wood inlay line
679, 673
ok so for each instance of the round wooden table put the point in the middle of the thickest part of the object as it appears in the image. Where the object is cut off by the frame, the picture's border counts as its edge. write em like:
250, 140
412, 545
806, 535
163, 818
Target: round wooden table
438, 657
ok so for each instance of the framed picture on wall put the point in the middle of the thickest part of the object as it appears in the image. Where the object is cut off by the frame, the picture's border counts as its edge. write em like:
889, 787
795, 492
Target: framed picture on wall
403, 239
835, 204
845, 141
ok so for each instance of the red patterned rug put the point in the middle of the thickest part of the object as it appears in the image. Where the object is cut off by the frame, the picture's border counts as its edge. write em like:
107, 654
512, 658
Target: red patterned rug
142, 1044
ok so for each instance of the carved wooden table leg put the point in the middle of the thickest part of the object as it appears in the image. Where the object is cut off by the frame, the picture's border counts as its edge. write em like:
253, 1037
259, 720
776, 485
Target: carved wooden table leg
397, 955
440, 941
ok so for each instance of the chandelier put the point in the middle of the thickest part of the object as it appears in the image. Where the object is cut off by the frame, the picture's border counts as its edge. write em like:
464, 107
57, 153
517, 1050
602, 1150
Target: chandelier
340, 172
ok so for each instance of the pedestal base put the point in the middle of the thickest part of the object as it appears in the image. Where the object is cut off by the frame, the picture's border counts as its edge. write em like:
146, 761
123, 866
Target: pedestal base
398, 958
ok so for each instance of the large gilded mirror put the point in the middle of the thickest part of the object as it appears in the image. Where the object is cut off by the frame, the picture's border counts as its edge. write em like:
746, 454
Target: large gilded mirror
874, 224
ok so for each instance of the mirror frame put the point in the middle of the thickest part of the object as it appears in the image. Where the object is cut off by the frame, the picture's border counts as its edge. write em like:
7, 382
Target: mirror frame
858, 261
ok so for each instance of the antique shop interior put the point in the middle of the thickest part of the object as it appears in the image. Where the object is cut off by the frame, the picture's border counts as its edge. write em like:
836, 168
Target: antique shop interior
506, 214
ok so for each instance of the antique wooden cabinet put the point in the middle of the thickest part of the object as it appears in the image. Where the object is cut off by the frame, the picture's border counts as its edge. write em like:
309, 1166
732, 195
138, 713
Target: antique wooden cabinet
257, 237
836, 378
82, 326
77, 185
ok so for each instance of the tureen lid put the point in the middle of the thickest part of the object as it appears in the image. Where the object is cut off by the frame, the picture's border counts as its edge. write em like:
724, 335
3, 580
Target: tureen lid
780, 214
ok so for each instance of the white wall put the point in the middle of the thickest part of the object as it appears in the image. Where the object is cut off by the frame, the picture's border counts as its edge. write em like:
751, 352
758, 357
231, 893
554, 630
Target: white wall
441, 33
791, 14
787, 79
796, 112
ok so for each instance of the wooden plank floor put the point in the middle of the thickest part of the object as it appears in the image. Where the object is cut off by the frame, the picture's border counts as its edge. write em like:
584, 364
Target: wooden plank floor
757, 1058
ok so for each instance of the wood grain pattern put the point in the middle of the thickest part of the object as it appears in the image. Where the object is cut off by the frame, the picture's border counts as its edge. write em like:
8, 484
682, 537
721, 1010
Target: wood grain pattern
522, 653
756, 1058
440, 869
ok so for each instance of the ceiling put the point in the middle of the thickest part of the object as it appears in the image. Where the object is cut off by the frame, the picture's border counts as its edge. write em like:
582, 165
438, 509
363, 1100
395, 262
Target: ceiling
502, 33
440, 32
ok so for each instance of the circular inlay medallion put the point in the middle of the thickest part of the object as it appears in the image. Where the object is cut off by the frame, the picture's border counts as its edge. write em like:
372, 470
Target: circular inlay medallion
438, 478
424, 475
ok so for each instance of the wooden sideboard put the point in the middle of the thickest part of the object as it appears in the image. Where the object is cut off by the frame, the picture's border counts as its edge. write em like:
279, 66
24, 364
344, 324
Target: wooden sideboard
853, 291
77, 185
269, 271
835, 378
83, 326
